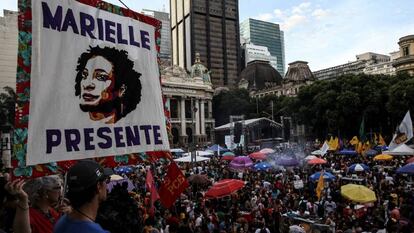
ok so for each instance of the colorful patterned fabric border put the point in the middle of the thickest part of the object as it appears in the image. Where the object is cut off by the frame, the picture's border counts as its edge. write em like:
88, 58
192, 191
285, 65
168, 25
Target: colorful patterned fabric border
23, 96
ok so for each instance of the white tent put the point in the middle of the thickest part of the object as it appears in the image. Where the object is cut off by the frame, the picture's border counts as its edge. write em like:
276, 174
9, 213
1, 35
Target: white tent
400, 150
201, 153
317, 152
177, 150
187, 159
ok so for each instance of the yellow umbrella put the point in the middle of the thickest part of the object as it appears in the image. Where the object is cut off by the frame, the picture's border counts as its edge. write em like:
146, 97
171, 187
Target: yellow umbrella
358, 193
383, 157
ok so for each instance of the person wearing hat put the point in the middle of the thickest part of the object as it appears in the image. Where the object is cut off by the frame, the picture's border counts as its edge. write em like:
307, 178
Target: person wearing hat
86, 189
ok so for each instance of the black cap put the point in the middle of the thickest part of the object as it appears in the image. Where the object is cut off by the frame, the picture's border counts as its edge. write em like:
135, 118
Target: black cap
85, 174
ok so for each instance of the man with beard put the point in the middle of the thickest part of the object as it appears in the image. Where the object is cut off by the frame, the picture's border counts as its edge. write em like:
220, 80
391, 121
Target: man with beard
86, 189
107, 86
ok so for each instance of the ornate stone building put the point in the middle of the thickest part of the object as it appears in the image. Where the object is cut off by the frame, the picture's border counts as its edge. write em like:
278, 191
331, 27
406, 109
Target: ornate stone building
405, 63
260, 79
189, 100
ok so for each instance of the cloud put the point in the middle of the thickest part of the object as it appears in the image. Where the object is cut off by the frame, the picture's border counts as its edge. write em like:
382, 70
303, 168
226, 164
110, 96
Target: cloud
320, 13
279, 13
292, 21
301, 8
264, 17
299, 14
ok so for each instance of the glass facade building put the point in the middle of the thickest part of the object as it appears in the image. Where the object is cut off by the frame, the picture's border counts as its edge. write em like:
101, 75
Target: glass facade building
266, 34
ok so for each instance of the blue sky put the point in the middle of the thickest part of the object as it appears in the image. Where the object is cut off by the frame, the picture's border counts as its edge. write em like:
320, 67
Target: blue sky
323, 32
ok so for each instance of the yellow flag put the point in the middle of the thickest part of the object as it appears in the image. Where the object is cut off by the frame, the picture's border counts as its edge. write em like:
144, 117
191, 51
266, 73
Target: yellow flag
354, 141
320, 186
336, 143
366, 147
381, 140
331, 143
359, 147
375, 139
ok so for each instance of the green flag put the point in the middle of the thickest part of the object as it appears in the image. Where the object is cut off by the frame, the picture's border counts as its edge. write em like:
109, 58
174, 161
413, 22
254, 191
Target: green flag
362, 130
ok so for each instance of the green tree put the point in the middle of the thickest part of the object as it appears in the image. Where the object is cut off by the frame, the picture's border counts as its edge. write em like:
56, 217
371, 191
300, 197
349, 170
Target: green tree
337, 106
232, 102
330, 106
401, 98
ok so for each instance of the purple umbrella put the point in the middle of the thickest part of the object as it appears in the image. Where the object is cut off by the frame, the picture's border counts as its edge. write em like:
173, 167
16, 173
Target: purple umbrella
287, 161
112, 183
241, 162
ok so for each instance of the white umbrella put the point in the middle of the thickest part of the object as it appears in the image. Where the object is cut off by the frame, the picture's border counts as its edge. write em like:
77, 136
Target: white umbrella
177, 150
200, 153
310, 157
187, 159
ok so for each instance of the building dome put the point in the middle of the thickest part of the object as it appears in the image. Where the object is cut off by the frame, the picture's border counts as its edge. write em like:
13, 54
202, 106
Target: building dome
299, 71
198, 70
259, 75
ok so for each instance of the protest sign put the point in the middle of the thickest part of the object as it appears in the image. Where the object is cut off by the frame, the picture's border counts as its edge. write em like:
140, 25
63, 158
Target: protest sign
88, 82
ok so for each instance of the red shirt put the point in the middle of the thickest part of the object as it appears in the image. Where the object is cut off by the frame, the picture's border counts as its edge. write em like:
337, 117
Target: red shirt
40, 223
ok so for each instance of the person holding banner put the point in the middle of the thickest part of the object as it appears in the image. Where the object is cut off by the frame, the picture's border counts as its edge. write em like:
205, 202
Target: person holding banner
36, 203
107, 85
86, 189
44, 194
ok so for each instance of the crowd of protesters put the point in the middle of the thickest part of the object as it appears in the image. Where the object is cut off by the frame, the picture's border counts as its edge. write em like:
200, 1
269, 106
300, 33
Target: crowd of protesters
270, 201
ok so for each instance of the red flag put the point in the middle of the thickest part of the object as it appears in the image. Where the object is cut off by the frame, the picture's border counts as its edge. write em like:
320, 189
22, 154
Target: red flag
149, 183
174, 184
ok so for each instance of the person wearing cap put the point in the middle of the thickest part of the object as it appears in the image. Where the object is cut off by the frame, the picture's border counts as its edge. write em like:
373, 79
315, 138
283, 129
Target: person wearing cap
86, 189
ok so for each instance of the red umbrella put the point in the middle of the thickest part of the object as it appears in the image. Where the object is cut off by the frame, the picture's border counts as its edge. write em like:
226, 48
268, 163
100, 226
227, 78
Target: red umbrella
316, 161
227, 158
224, 188
410, 160
258, 155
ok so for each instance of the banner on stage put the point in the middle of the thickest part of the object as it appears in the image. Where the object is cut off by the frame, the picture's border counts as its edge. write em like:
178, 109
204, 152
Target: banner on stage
93, 82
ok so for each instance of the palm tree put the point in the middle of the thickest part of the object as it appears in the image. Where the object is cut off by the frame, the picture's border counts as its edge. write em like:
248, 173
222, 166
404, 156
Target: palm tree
7, 107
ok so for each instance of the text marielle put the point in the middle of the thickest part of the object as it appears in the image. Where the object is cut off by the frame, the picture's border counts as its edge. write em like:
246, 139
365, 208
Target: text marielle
106, 30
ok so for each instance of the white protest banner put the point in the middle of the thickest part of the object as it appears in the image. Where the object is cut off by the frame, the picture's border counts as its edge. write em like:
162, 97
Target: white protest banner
94, 83
403, 133
298, 184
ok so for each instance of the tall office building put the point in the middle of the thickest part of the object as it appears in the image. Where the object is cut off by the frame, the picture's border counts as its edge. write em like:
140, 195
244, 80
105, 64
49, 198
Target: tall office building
8, 49
256, 52
164, 17
266, 34
210, 28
